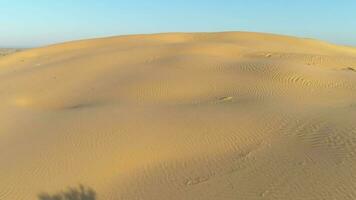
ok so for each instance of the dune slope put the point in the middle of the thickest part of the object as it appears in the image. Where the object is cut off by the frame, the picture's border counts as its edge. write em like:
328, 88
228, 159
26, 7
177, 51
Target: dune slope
180, 116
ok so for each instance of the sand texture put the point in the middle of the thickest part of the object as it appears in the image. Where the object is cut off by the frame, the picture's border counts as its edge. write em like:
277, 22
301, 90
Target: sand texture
204, 116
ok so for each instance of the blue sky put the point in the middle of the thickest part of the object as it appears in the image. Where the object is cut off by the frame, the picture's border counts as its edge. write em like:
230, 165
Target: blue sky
28, 23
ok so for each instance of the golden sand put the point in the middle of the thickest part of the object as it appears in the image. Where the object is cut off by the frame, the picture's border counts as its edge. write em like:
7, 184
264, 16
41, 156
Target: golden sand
202, 116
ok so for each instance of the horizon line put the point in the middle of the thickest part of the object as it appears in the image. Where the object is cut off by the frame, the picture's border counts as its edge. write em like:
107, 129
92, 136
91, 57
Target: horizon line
172, 32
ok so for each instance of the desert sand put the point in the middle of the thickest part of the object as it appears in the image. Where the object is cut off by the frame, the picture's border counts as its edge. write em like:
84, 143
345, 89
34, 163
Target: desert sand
203, 116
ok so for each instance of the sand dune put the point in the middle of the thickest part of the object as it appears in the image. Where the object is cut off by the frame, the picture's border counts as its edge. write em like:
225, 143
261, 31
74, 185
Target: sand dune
180, 116
5, 52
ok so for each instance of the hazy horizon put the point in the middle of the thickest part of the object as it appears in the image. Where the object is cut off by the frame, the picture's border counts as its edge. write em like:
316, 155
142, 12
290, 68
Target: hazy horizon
30, 24
118, 35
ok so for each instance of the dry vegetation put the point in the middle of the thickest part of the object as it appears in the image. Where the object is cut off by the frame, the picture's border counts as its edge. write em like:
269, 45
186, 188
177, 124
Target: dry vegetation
80, 193
4, 52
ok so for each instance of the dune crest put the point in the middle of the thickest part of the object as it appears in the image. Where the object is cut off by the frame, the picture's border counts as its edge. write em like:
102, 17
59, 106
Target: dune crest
232, 115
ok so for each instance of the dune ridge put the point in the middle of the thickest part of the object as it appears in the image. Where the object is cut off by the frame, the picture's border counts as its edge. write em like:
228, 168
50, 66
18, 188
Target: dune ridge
232, 115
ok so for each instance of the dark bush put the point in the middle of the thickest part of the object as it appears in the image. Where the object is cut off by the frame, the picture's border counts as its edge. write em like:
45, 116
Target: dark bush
80, 193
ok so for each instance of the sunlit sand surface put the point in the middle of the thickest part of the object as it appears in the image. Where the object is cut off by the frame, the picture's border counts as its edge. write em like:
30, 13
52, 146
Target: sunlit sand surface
202, 116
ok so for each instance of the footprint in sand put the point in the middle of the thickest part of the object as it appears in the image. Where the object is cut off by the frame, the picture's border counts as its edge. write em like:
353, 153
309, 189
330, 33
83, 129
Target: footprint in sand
268, 55
225, 99
350, 69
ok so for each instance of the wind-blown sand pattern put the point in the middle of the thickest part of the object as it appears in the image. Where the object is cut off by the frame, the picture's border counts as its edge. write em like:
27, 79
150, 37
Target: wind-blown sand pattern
200, 116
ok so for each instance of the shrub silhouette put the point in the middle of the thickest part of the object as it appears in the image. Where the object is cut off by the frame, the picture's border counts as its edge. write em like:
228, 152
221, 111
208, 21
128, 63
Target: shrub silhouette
80, 193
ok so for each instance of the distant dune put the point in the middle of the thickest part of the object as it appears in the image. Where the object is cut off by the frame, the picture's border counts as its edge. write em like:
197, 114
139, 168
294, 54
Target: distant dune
204, 116
4, 52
